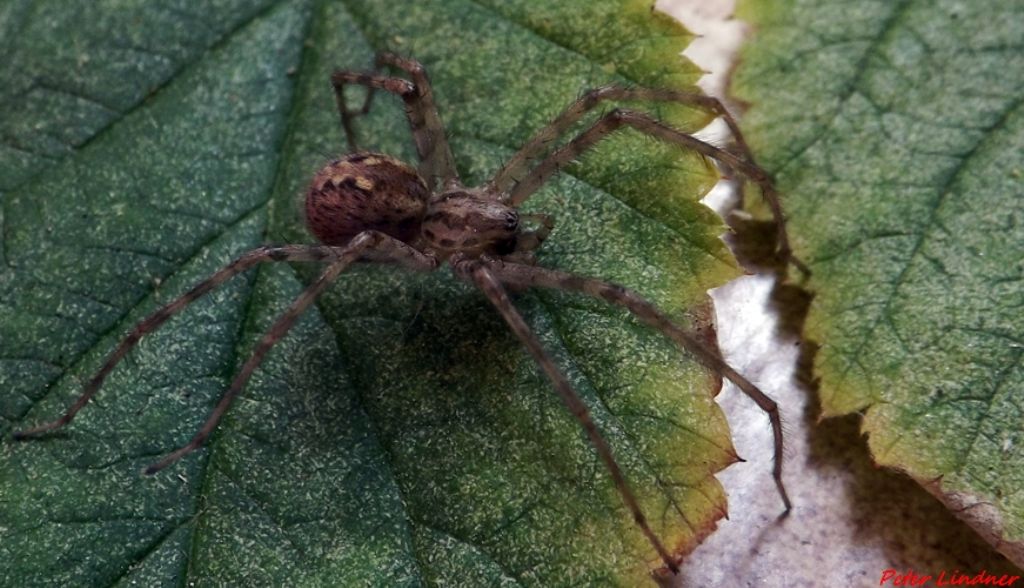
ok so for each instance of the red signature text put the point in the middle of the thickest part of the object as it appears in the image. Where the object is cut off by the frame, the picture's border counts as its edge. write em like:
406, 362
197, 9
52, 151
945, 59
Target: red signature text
892, 577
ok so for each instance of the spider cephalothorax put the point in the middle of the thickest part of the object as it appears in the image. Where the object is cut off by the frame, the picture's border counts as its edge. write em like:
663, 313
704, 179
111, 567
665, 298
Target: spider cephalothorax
372, 207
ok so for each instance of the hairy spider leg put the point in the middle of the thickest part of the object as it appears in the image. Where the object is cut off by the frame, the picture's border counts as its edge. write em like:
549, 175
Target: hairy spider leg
530, 276
520, 162
386, 249
485, 279
510, 179
280, 328
436, 161
348, 115
530, 241
153, 321
402, 88
370, 244
444, 166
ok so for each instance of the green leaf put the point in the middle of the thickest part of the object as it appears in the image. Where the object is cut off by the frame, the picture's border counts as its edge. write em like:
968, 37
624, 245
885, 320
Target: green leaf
896, 133
399, 435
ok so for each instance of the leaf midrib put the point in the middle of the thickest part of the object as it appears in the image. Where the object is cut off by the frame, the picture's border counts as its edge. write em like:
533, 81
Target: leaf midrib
943, 192
853, 86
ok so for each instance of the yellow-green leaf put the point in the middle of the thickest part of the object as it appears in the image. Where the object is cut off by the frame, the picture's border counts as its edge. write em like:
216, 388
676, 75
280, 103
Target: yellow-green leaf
896, 132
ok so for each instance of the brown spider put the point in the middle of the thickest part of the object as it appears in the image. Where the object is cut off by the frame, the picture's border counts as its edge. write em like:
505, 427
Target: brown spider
371, 207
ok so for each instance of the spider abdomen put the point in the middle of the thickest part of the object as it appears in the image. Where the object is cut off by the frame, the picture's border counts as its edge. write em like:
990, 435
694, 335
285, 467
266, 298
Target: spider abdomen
365, 191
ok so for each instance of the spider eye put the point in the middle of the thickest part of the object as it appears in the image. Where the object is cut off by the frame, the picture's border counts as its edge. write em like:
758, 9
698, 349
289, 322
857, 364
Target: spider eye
511, 221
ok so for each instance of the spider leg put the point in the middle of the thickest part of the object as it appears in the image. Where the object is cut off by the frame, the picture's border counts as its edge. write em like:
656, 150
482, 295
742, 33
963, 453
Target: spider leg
484, 279
530, 241
385, 249
435, 137
403, 88
347, 115
519, 163
436, 161
530, 276
276, 332
517, 190
388, 248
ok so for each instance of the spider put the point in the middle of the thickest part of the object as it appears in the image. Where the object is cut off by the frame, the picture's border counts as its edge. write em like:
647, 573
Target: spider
371, 207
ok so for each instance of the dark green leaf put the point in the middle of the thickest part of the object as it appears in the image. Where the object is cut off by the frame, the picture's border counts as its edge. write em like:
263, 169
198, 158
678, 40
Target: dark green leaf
399, 435
896, 132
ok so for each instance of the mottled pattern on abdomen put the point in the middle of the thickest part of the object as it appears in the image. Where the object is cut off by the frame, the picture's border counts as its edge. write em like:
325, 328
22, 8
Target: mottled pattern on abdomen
365, 191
